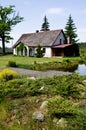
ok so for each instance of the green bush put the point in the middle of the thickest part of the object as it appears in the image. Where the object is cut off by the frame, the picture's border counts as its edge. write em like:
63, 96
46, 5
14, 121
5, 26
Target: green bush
12, 64
39, 52
8, 74
60, 107
65, 85
67, 65
79, 120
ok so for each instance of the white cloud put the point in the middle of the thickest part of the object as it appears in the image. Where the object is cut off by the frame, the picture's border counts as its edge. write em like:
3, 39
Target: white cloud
56, 11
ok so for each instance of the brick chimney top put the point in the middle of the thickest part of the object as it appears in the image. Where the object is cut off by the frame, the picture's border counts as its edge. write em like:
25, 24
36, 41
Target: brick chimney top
37, 31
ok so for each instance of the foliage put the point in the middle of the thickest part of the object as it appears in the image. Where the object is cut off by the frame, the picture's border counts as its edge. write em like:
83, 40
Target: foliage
20, 47
79, 120
70, 31
8, 20
82, 48
66, 86
64, 66
60, 107
39, 52
21, 96
12, 64
7, 74
45, 25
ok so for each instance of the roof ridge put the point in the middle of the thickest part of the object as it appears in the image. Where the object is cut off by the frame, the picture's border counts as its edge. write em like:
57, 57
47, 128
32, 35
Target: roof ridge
42, 32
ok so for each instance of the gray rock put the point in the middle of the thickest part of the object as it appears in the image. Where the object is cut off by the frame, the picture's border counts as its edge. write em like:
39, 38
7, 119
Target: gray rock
43, 105
62, 123
38, 116
32, 78
82, 103
84, 82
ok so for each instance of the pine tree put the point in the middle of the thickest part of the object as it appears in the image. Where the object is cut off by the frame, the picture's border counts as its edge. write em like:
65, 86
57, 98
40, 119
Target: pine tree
70, 31
45, 25
39, 52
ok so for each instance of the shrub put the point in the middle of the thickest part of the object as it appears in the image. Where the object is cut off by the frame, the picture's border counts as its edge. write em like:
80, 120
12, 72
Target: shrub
7, 74
60, 107
39, 52
79, 121
12, 64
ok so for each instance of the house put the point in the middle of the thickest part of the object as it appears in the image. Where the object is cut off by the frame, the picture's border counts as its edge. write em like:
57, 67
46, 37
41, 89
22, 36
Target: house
53, 43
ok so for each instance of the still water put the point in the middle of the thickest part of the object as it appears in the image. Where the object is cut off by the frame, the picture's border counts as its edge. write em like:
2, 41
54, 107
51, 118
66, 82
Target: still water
81, 69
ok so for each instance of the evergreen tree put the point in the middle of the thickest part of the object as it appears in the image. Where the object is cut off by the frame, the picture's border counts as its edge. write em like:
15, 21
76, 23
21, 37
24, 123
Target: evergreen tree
8, 19
45, 25
39, 52
70, 31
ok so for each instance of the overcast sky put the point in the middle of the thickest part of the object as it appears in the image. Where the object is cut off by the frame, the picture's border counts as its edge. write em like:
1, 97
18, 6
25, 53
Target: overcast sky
57, 12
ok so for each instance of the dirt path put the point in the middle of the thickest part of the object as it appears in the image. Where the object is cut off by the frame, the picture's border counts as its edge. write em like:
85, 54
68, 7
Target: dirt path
34, 73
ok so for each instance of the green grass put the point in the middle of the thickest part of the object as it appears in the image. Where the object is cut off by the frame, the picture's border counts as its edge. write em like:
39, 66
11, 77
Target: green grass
24, 60
41, 64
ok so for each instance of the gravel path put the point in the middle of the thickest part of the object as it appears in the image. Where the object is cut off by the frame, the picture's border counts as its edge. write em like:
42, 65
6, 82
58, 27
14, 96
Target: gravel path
34, 73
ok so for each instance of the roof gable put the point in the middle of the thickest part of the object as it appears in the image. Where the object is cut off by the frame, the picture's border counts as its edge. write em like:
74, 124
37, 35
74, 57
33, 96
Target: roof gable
46, 38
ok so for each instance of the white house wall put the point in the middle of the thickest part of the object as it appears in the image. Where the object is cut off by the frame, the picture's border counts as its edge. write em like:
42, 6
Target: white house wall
27, 50
14, 51
48, 52
61, 36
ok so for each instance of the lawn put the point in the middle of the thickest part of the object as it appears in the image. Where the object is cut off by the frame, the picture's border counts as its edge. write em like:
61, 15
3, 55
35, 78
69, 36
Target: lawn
40, 64
24, 60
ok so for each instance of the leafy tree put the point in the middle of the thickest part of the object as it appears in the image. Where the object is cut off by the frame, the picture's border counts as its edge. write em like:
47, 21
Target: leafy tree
70, 31
8, 19
20, 47
45, 25
39, 52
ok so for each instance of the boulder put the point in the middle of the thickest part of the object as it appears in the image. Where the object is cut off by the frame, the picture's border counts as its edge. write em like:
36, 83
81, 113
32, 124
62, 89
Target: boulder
38, 116
43, 105
62, 123
84, 82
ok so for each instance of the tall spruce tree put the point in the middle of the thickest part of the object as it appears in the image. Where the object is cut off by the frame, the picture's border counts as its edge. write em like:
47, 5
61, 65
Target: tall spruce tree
8, 20
70, 31
45, 25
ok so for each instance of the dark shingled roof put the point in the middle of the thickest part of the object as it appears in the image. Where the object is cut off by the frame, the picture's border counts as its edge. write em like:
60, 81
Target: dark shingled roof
46, 38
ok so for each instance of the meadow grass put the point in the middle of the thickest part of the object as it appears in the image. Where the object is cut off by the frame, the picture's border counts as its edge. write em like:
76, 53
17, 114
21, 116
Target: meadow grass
24, 60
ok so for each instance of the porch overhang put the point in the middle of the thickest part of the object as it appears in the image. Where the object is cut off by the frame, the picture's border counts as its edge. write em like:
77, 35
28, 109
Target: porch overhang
62, 46
62, 50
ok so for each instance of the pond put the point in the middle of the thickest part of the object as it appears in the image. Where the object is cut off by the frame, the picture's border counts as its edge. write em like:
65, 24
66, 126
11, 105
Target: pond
81, 69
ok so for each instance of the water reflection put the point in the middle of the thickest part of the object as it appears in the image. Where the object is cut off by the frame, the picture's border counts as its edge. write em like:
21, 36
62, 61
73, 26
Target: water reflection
81, 69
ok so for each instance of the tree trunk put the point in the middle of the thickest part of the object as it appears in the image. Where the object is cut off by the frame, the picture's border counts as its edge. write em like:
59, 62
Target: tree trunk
3, 45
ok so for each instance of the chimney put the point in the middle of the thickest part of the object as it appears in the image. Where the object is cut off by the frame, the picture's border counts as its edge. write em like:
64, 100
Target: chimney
68, 40
37, 31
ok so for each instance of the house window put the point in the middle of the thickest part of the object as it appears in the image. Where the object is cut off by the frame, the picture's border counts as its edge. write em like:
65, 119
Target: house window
60, 41
44, 50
